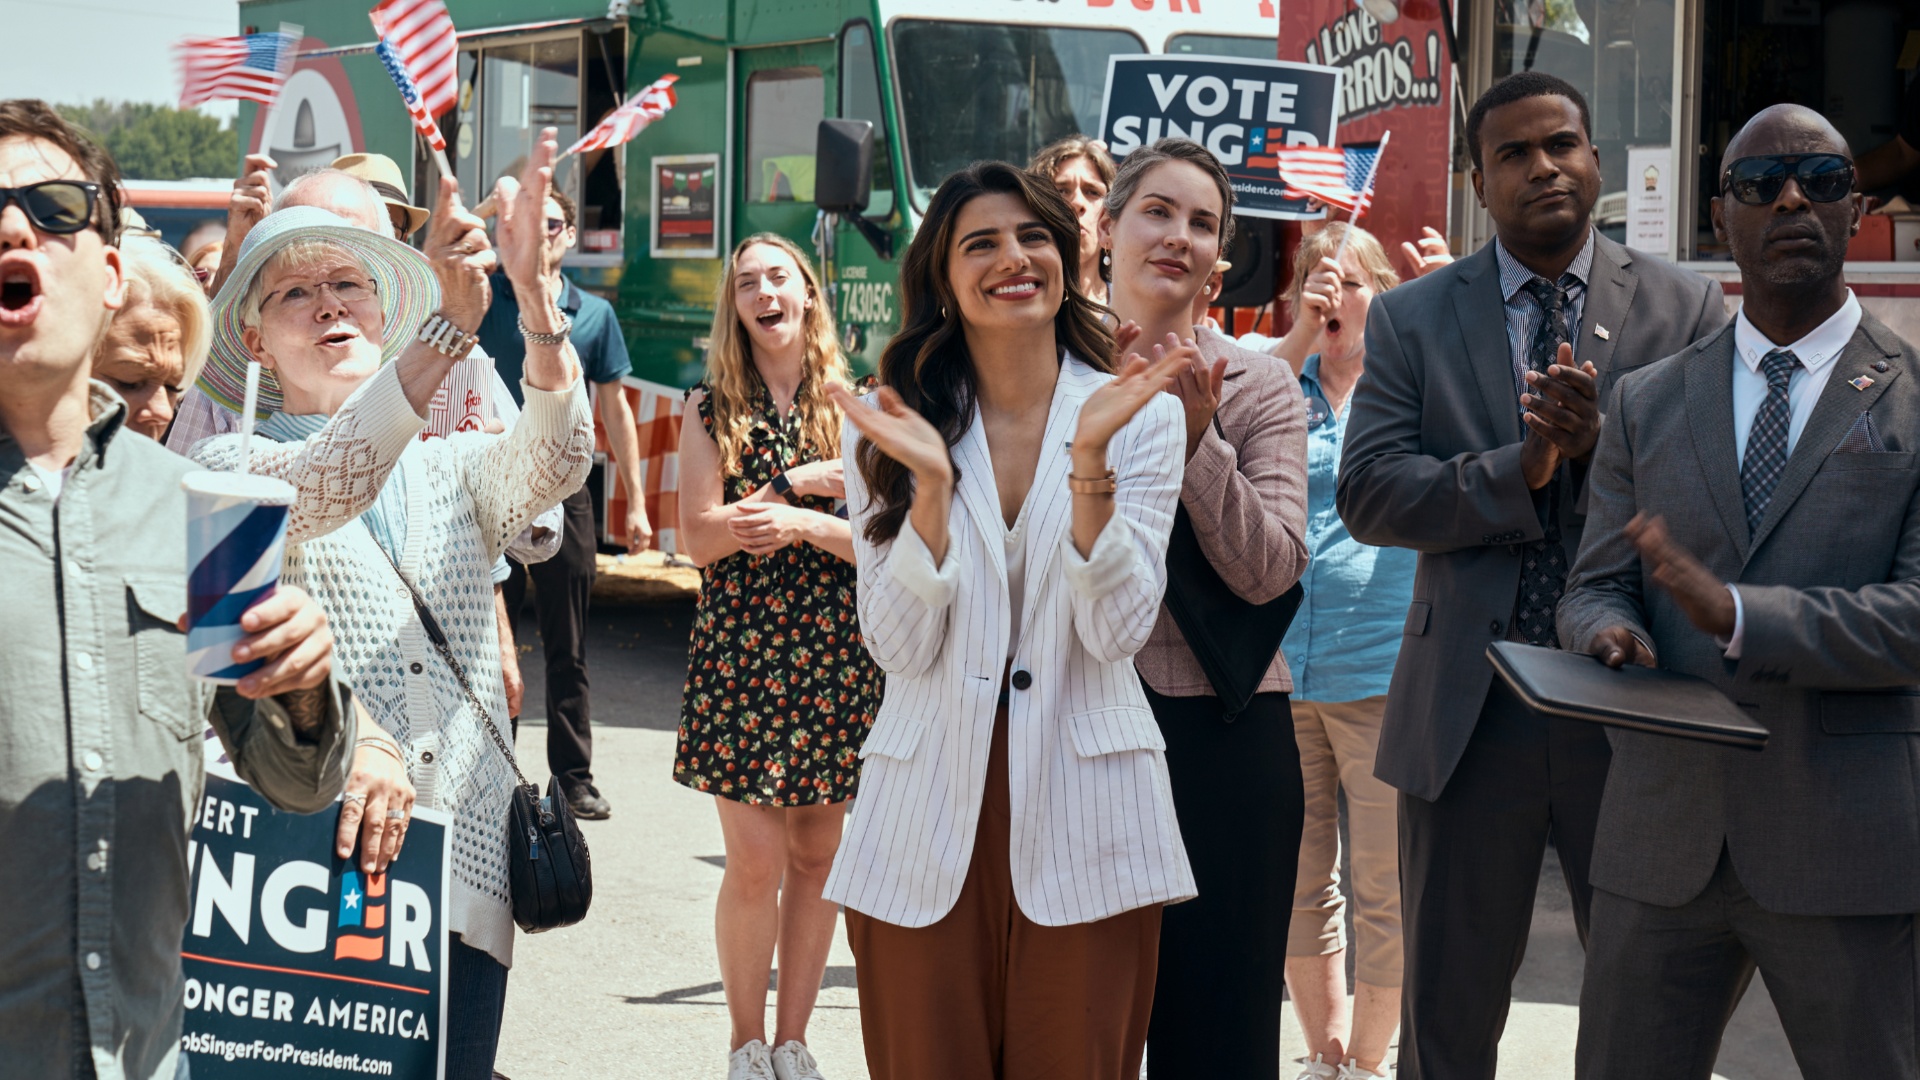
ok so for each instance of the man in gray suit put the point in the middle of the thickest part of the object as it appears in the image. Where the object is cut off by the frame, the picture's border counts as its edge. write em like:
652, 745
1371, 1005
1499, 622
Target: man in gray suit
1754, 520
1470, 442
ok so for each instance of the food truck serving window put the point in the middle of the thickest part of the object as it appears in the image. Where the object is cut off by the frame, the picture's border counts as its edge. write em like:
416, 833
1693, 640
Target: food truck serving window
510, 89
977, 91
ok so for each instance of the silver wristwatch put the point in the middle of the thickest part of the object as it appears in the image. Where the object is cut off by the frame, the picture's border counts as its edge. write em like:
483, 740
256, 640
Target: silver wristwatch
559, 335
447, 339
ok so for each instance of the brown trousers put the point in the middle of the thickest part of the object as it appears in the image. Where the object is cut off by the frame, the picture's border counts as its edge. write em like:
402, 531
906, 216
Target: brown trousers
988, 994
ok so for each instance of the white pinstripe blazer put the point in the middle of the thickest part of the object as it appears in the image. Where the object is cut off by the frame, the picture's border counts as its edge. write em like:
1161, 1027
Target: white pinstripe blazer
1093, 826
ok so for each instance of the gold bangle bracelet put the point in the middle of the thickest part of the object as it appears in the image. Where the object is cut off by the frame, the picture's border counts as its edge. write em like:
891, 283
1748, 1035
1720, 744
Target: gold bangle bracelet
1093, 485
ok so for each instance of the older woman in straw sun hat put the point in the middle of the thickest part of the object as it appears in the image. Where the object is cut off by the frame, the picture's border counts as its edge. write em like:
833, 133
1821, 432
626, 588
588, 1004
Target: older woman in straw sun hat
322, 305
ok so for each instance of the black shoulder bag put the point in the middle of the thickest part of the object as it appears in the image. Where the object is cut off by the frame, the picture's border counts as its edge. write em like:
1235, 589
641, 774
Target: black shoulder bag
1235, 641
548, 871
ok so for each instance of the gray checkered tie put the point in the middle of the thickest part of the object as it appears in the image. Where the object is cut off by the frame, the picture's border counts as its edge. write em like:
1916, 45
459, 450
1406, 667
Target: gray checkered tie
1767, 444
1543, 563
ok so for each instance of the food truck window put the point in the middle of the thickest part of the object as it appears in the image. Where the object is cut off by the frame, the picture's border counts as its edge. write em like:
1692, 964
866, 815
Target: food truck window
976, 91
511, 89
784, 110
1620, 54
605, 61
522, 88
1244, 48
860, 100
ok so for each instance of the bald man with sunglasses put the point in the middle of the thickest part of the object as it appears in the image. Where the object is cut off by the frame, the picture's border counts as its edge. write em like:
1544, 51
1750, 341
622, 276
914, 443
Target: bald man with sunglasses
1754, 520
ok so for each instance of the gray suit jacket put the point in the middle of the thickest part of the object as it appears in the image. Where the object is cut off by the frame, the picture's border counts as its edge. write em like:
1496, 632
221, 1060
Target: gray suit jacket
1823, 821
1432, 463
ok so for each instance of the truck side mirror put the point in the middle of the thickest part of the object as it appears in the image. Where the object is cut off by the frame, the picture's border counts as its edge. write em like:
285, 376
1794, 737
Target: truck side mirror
843, 166
843, 177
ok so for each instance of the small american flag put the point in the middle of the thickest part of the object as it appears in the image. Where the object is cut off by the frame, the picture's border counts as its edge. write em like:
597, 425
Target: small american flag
1341, 178
623, 123
410, 94
422, 36
249, 68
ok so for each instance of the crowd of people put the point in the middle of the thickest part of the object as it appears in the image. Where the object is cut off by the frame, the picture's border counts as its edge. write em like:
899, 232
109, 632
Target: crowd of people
1051, 654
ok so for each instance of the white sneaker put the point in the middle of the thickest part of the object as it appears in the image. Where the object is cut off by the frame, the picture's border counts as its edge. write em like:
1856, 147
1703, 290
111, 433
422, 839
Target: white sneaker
753, 1061
1352, 1071
1317, 1069
792, 1061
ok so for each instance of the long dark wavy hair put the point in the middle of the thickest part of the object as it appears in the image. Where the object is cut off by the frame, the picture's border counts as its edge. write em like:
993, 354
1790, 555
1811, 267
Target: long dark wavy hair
927, 362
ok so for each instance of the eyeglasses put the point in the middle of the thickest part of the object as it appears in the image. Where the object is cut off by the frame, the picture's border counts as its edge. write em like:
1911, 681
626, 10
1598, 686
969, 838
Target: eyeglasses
61, 207
301, 299
1757, 181
554, 225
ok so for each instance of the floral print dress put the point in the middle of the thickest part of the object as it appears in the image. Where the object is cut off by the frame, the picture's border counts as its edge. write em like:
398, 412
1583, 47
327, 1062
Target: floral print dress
780, 689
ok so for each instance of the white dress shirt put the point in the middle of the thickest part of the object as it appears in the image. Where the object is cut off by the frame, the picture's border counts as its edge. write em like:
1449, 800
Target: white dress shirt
1817, 352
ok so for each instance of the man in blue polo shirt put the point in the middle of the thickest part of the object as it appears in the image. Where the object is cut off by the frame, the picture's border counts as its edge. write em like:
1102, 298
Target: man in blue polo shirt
564, 583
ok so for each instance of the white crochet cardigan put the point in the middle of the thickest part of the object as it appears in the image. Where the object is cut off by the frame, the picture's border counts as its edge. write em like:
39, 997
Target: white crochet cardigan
467, 496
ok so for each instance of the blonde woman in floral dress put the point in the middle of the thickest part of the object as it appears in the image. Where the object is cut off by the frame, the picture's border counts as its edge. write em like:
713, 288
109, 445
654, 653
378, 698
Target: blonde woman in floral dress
780, 689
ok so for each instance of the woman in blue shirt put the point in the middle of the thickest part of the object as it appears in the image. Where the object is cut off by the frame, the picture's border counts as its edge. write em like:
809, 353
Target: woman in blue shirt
1342, 647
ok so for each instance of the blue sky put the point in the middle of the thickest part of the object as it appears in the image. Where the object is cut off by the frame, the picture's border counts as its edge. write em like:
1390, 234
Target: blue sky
117, 49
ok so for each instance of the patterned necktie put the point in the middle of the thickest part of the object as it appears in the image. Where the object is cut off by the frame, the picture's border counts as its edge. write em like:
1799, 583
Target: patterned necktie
1543, 563
1767, 444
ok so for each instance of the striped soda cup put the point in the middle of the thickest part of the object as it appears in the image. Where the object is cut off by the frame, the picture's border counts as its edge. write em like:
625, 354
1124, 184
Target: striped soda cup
236, 538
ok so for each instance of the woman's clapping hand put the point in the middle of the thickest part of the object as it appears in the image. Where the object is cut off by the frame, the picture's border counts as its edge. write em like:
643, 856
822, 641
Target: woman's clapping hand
1109, 408
899, 432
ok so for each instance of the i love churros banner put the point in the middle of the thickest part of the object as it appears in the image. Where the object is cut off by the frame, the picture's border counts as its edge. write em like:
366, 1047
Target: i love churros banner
1394, 77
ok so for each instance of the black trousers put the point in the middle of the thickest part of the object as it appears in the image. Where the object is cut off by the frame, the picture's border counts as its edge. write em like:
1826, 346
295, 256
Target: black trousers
1661, 984
1221, 985
1469, 865
563, 585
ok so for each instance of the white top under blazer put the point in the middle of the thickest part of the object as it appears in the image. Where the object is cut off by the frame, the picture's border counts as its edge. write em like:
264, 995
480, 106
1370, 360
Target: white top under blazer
1093, 829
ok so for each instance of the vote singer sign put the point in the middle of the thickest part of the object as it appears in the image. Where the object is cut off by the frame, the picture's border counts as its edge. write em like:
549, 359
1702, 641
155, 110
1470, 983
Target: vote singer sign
301, 964
1240, 110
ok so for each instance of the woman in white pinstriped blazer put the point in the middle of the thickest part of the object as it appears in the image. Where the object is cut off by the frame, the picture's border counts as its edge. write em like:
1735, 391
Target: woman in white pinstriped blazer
1014, 838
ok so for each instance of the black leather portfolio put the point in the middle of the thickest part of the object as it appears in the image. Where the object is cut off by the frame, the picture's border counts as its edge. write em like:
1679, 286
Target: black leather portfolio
1580, 687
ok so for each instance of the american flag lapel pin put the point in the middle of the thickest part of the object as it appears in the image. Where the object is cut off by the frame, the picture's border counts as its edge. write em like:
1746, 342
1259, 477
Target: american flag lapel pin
1602, 332
1860, 383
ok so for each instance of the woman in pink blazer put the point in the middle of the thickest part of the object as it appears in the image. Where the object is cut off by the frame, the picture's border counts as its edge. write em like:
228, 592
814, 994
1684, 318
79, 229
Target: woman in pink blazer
1236, 777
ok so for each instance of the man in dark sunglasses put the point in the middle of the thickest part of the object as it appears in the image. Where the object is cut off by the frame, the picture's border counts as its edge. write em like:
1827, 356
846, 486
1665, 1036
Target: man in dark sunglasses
101, 723
1754, 521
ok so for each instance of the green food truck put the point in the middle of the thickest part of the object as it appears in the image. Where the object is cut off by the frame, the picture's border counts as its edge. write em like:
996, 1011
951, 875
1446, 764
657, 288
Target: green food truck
939, 83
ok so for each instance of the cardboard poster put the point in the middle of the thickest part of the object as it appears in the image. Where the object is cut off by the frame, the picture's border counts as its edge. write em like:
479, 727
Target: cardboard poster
1397, 78
686, 200
299, 964
1241, 110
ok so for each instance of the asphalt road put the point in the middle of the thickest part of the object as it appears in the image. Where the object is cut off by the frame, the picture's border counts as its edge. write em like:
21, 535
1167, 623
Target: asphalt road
635, 991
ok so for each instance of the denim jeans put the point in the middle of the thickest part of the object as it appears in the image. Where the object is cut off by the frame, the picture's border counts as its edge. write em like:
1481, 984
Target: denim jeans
476, 1001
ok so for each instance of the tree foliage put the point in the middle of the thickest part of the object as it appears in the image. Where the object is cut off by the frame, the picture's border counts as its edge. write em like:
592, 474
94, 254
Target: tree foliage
159, 142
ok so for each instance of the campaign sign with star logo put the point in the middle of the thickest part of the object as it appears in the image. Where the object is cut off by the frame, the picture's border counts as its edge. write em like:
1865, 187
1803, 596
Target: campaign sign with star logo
1244, 111
299, 963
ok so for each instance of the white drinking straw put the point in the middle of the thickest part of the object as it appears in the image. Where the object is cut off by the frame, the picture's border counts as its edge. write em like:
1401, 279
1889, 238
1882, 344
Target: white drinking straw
246, 415
1365, 189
